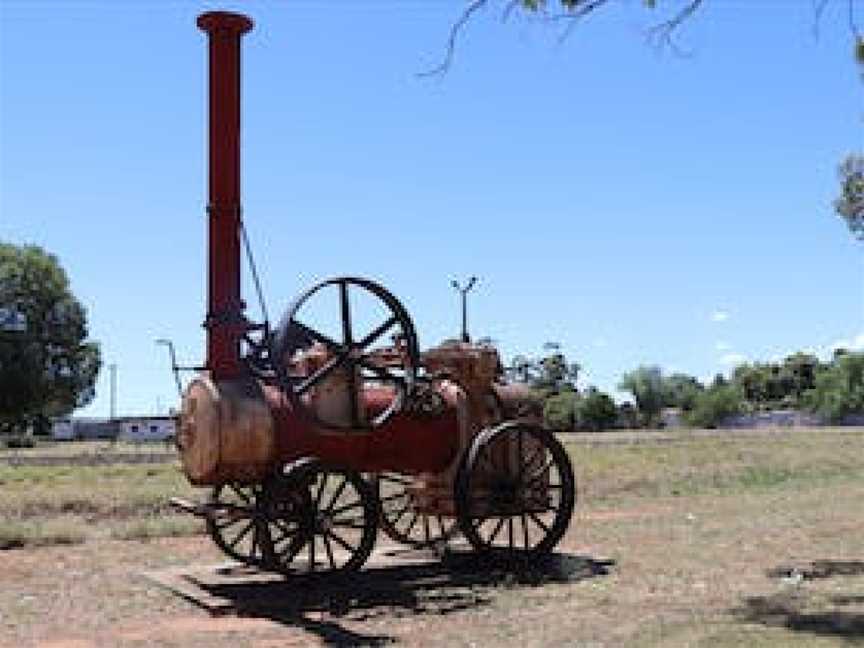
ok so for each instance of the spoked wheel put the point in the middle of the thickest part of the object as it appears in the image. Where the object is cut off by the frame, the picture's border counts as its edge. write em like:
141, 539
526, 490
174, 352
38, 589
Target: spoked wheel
515, 490
402, 521
340, 521
260, 525
335, 336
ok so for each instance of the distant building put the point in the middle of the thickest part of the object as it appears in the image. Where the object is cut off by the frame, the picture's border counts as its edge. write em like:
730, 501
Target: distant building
62, 430
147, 428
79, 429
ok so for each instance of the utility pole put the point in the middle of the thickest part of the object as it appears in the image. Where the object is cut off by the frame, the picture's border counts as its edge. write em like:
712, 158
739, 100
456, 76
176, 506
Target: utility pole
464, 293
113, 369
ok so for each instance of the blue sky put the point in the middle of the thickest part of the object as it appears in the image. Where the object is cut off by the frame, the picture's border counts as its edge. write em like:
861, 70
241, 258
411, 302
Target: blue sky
636, 207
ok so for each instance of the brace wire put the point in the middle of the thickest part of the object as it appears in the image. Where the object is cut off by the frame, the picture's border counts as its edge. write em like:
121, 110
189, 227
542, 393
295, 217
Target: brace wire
254, 270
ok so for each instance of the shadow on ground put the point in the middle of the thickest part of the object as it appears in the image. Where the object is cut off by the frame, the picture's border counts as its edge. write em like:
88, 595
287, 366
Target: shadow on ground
322, 606
803, 610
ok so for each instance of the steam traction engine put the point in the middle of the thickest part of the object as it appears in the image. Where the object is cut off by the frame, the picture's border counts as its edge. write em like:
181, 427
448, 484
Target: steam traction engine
316, 432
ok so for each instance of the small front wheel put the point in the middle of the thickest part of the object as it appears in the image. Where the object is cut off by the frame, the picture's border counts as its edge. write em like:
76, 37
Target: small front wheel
515, 490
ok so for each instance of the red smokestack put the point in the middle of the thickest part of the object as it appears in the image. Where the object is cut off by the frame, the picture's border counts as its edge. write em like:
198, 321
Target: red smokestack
225, 321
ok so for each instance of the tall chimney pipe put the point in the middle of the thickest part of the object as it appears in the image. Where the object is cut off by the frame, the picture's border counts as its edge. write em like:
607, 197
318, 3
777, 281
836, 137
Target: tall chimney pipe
225, 321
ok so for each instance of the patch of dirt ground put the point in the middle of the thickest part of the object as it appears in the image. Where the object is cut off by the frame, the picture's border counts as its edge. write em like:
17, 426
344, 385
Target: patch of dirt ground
725, 570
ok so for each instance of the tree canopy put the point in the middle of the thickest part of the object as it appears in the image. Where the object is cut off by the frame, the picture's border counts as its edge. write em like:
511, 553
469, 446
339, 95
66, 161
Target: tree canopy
48, 367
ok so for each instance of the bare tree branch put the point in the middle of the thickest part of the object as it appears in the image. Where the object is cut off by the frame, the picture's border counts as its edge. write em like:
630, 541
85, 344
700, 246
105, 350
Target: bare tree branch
818, 10
662, 35
574, 11
853, 26
442, 67
509, 9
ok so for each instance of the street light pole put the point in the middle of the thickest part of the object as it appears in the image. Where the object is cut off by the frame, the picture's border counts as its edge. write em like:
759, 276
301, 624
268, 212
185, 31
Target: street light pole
464, 294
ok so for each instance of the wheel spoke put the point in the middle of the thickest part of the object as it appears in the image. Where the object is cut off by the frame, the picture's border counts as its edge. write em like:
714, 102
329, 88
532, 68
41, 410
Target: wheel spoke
349, 524
538, 521
402, 513
510, 532
239, 491
324, 477
496, 531
336, 495
540, 451
395, 496
519, 456
402, 481
378, 332
224, 524
537, 475
347, 507
345, 308
341, 541
411, 526
329, 550
242, 534
381, 372
321, 373
525, 529
315, 335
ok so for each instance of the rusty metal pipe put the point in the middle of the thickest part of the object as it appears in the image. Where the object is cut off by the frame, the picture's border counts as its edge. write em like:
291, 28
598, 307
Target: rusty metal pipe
225, 321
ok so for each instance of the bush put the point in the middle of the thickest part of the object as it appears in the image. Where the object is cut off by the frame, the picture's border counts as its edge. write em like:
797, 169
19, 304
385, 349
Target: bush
596, 411
16, 442
839, 390
713, 405
559, 411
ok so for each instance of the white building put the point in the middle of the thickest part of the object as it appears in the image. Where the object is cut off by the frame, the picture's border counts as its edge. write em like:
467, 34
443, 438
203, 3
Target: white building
147, 428
62, 430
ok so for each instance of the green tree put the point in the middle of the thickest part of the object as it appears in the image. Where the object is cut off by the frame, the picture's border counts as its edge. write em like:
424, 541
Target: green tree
595, 411
550, 375
850, 204
47, 365
648, 388
713, 405
838, 388
682, 391
555, 374
769, 385
559, 411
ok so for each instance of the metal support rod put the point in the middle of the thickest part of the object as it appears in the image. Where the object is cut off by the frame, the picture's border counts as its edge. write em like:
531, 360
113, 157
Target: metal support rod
225, 321
464, 293
174, 368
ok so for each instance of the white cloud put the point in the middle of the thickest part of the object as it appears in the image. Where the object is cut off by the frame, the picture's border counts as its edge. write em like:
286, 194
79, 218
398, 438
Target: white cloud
600, 343
853, 344
719, 315
733, 359
722, 346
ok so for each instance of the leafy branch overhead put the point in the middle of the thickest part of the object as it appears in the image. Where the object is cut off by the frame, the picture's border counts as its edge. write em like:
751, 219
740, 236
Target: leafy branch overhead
850, 203
569, 13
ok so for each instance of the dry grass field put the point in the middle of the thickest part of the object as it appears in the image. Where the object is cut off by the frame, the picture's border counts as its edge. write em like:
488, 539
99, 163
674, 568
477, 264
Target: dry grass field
701, 540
